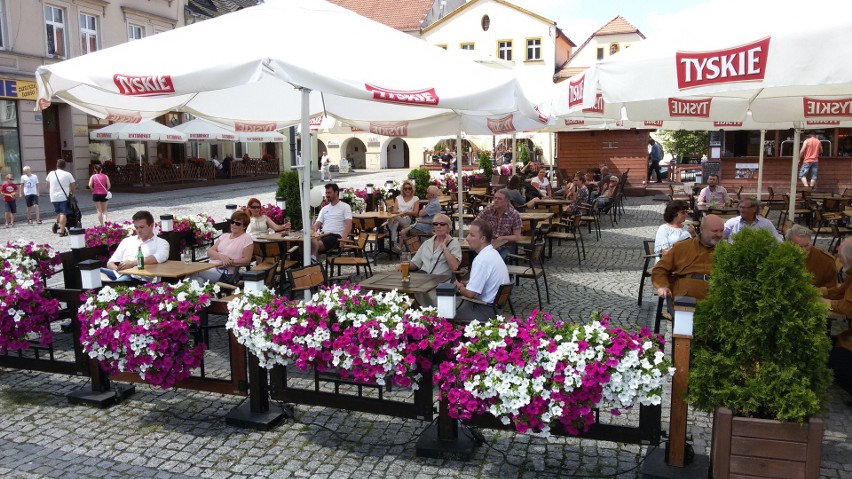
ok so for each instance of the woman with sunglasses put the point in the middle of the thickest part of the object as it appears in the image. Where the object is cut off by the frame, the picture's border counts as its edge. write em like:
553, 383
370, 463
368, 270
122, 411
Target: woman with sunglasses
229, 252
406, 206
440, 254
259, 223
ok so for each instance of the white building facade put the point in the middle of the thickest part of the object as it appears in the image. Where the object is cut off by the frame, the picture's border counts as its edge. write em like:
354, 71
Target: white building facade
492, 29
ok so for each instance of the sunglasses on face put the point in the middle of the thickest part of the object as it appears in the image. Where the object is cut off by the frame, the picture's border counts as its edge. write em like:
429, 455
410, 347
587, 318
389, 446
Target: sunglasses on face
255, 207
440, 224
237, 223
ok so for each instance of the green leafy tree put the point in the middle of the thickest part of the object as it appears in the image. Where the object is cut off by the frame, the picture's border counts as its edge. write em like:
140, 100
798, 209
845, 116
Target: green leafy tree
524, 154
422, 180
485, 165
759, 346
683, 143
288, 188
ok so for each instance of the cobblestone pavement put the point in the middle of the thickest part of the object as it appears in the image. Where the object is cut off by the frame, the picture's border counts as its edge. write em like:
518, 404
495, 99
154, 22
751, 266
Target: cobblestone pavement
180, 433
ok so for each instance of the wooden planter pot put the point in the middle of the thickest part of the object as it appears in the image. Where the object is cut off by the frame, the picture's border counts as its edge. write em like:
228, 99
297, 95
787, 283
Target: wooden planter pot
755, 448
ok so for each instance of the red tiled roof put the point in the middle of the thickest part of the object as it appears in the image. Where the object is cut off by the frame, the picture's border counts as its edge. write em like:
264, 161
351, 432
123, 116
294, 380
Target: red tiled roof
406, 15
618, 25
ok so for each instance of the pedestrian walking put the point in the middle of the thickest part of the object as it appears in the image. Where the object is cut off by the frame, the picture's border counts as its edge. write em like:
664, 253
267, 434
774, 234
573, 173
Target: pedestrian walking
811, 149
10, 197
101, 194
62, 186
30, 191
655, 156
325, 167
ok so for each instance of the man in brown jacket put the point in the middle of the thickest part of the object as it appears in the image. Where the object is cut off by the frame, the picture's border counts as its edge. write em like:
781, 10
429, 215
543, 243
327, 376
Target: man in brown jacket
819, 263
685, 269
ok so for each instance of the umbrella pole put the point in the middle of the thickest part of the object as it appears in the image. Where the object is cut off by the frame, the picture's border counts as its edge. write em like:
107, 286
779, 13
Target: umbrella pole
304, 168
515, 156
760, 166
459, 183
794, 174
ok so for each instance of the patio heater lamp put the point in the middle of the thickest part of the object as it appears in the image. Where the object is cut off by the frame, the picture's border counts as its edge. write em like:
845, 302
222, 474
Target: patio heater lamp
279, 200
388, 184
229, 210
254, 280
371, 201
447, 300
167, 223
90, 274
78, 237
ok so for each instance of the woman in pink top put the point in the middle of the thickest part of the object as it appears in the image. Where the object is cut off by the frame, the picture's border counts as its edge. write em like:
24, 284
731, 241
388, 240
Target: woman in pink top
99, 184
230, 251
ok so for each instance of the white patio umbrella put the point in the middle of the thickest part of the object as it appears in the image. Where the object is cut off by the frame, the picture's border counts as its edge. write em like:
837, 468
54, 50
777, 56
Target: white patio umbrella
779, 68
250, 85
201, 130
143, 131
262, 137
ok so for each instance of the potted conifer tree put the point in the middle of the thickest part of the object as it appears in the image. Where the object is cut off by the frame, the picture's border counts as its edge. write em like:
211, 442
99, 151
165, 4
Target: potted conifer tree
759, 360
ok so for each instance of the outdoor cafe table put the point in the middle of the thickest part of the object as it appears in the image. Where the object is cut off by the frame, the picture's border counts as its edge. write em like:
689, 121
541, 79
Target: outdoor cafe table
418, 283
701, 210
171, 269
378, 215
555, 201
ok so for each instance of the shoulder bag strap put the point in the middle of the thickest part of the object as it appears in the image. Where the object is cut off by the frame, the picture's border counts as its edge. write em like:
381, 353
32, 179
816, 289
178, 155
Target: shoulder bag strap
436, 263
60, 185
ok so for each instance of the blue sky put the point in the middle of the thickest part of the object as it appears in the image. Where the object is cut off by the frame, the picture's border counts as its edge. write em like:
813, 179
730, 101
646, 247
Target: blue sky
580, 18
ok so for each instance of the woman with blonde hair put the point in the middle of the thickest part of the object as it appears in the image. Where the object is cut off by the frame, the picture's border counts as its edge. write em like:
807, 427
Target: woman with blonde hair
259, 223
406, 205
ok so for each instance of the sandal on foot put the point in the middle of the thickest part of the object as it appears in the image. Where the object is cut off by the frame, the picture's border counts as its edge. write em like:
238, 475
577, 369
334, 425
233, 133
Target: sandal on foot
38, 221
64, 233
29, 222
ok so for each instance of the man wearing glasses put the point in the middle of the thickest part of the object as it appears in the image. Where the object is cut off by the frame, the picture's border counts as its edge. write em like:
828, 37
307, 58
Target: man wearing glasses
154, 248
505, 223
748, 218
334, 218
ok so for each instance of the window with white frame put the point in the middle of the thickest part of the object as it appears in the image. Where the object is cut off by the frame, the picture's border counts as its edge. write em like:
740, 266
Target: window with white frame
600, 53
54, 20
467, 46
533, 49
504, 50
135, 32
88, 33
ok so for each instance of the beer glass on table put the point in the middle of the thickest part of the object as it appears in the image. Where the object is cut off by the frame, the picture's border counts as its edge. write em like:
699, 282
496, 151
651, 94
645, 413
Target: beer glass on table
186, 255
404, 265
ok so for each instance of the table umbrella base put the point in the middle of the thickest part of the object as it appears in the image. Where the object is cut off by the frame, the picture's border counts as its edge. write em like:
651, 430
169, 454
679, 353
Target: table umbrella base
243, 417
101, 400
460, 448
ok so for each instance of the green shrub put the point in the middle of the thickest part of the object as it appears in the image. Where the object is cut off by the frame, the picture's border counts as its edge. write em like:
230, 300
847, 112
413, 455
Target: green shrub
760, 347
288, 187
422, 180
485, 165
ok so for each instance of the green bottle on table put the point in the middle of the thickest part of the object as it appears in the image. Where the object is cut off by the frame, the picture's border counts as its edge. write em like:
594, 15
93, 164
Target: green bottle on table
140, 259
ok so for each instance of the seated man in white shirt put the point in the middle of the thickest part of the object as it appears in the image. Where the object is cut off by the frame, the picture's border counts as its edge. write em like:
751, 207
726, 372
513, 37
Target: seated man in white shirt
154, 249
748, 218
487, 273
334, 218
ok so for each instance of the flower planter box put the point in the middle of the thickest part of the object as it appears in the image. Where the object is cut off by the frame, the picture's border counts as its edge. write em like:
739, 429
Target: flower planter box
755, 448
